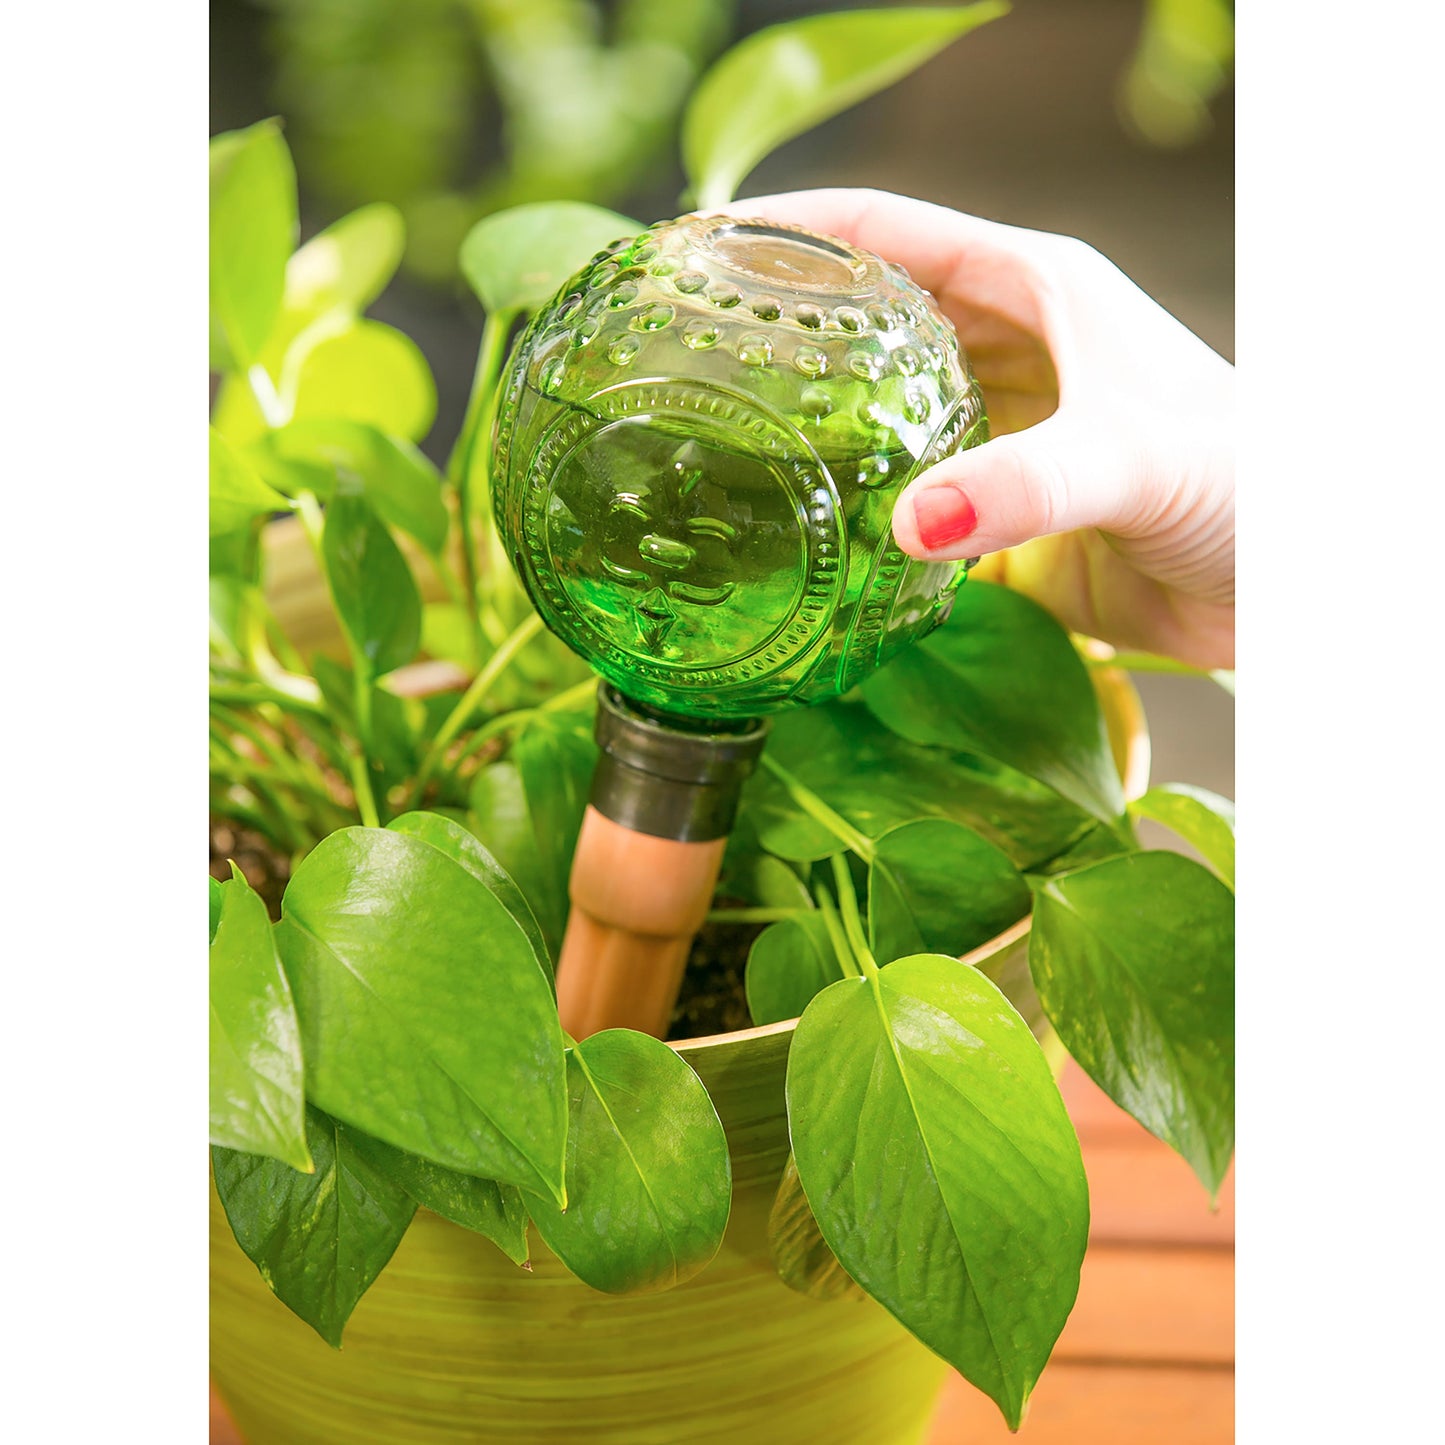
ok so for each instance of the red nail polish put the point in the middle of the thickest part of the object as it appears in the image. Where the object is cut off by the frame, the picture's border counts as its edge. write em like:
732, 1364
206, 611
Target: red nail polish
944, 516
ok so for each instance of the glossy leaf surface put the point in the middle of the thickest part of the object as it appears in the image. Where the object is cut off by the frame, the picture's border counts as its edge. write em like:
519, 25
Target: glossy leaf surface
759, 878
217, 897
364, 372
937, 887
257, 1095
649, 1181
376, 598
495, 1210
788, 963
1003, 679
237, 493
252, 232
350, 458
786, 79
943, 1171
1203, 819
840, 751
425, 1019
1133, 959
516, 259
463, 846
319, 1240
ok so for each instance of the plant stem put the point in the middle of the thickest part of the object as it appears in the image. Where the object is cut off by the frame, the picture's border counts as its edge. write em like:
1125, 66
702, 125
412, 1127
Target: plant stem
846, 961
579, 692
491, 352
820, 812
361, 786
361, 702
294, 772
281, 825
755, 915
268, 401
558, 702
852, 921
497, 664
245, 816
248, 694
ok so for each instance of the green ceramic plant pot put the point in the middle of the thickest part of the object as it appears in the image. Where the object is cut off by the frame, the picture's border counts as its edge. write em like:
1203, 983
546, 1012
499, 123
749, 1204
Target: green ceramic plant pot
453, 1343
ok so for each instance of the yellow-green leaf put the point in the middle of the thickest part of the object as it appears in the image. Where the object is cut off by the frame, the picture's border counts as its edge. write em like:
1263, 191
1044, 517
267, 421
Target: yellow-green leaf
257, 1098
788, 78
252, 232
516, 259
363, 372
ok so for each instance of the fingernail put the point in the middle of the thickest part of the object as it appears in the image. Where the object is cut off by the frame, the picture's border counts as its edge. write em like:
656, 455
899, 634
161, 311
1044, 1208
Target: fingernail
944, 516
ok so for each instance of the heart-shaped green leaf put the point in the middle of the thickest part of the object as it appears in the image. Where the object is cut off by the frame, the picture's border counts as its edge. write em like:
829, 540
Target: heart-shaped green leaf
425, 1019
257, 1096
237, 493
318, 1239
362, 371
253, 229
516, 259
943, 1171
1203, 819
936, 887
1134, 961
788, 78
495, 1210
351, 458
376, 598
788, 963
1003, 679
649, 1181
463, 847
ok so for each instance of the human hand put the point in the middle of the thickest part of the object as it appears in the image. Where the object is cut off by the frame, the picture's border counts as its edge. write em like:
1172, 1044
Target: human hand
1108, 492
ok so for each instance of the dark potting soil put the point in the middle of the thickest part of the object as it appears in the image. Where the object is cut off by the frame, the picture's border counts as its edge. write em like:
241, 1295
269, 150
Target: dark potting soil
712, 999
265, 869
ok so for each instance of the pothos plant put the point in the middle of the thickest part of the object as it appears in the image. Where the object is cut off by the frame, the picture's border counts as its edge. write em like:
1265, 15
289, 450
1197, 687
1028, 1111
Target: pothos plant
391, 1040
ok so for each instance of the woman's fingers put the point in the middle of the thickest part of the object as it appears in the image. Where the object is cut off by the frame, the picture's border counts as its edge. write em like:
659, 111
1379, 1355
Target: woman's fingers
1054, 477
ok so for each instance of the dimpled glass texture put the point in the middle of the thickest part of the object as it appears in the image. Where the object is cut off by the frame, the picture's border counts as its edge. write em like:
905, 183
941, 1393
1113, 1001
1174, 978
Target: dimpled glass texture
698, 449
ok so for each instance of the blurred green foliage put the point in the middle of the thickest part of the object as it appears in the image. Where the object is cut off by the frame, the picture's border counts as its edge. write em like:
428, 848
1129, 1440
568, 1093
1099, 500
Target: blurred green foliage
1185, 57
453, 109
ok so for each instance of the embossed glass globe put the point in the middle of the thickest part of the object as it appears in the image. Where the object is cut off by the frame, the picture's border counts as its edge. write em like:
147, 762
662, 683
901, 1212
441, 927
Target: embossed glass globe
699, 446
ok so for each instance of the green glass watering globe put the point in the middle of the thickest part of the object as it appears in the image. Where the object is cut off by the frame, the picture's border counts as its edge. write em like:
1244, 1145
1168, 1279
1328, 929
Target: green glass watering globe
698, 450
700, 442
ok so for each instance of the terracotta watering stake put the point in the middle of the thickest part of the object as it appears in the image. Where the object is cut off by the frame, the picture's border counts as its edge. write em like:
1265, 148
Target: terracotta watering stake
699, 446
652, 841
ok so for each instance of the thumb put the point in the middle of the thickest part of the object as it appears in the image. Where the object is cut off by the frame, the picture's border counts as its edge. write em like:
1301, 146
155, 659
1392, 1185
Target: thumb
1057, 476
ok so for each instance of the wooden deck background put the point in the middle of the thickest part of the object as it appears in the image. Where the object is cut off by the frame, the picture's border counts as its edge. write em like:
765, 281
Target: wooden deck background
1147, 1357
